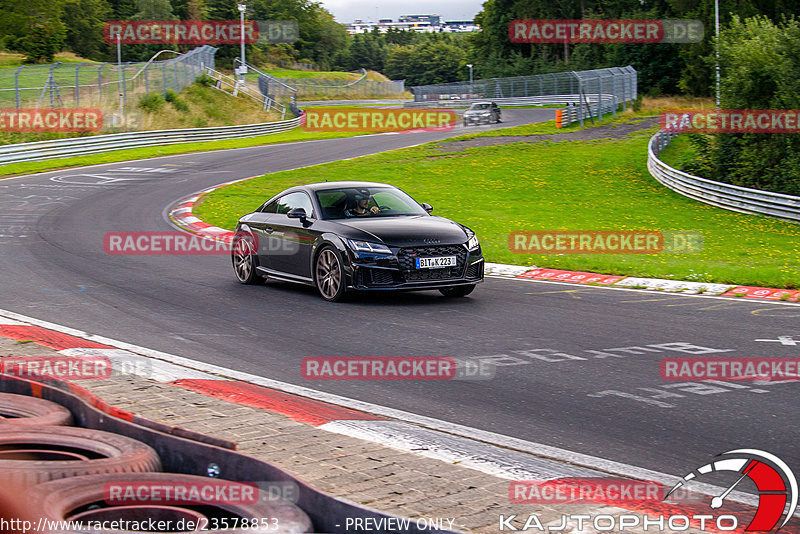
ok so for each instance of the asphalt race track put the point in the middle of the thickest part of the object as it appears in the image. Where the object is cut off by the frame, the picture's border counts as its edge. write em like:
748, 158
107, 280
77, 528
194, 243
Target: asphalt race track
578, 367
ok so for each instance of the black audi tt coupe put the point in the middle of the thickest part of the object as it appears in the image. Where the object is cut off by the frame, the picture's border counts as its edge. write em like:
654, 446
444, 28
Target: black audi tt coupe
354, 236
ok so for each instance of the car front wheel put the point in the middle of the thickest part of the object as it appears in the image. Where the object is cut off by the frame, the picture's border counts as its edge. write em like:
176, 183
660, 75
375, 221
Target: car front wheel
329, 275
244, 260
457, 291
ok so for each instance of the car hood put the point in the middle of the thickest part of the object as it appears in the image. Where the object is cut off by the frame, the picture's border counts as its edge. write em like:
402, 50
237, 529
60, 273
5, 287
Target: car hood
409, 231
477, 111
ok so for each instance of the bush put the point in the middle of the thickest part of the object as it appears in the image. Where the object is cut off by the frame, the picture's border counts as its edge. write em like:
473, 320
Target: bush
150, 103
205, 80
173, 98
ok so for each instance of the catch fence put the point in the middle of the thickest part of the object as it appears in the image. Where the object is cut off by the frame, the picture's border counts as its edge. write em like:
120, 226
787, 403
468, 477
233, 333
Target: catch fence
68, 85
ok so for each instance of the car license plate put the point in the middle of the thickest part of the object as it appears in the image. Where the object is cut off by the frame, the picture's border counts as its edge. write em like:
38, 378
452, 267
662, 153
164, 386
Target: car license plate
436, 263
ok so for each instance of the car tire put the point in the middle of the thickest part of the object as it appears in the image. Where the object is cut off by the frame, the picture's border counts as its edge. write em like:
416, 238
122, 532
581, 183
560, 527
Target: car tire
329, 274
75, 500
243, 258
35, 454
457, 291
23, 410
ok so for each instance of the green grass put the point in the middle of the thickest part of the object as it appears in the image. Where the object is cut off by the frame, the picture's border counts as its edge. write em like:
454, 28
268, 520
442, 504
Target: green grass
678, 153
295, 135
576, 185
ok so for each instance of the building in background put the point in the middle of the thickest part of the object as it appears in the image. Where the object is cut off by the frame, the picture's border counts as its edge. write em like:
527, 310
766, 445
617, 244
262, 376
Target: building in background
417, 23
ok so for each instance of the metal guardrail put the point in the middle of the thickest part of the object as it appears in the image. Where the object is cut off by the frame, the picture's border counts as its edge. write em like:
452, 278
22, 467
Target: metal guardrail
80, 146
722, 195
236, 87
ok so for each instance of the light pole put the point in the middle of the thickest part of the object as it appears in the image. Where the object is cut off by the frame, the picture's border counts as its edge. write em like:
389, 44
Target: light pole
470, 78
242, 67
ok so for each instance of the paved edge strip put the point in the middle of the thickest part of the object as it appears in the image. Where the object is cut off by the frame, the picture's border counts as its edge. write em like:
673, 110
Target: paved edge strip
181, 213
406, 429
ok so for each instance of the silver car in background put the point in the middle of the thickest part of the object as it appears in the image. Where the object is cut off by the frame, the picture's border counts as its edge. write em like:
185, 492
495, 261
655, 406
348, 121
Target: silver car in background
482, 113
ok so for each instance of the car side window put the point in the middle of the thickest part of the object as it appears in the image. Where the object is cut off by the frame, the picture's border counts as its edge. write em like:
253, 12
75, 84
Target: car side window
272, 207
295, 200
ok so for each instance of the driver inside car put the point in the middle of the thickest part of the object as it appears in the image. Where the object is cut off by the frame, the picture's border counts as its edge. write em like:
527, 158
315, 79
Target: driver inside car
362, 208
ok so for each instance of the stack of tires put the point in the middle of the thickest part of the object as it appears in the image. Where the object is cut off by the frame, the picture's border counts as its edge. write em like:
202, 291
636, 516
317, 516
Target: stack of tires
55, 472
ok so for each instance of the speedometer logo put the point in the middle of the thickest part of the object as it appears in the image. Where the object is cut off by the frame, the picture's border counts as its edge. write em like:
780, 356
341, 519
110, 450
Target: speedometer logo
776, 484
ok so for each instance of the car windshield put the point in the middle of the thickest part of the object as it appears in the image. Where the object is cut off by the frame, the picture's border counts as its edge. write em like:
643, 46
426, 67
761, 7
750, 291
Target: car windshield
352, 202
479, 106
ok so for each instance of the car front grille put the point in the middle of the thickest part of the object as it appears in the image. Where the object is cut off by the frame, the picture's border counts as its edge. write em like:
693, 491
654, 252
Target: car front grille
408, 266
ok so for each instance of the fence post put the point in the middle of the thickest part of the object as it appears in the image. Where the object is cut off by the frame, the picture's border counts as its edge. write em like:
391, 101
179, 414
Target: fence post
164, 80
125, 85
100, 83
600, 96
146, 79
78, 86
16, 84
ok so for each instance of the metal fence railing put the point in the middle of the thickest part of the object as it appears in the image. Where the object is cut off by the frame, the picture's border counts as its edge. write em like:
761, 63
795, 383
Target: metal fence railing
69, 85
234, 87
106, 143
594, 92
721, 195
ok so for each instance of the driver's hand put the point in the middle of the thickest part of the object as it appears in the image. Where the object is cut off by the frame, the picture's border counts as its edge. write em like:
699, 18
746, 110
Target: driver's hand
374, 209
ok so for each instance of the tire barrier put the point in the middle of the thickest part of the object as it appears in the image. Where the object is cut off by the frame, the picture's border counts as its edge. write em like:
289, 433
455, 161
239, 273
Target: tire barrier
22, 410
43, 474
80, 498
34, 454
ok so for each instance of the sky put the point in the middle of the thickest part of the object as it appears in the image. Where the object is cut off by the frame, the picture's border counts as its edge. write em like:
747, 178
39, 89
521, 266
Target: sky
345, 11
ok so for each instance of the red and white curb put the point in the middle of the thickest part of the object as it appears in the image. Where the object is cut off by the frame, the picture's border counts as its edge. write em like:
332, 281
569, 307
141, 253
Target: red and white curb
181, 214
495, 454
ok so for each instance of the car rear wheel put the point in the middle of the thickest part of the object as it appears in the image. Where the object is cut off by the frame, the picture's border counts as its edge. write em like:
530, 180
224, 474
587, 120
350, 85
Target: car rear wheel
329, 275
457, 291
244, 259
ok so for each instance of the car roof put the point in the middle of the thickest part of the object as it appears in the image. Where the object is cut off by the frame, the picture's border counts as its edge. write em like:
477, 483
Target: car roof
336, 185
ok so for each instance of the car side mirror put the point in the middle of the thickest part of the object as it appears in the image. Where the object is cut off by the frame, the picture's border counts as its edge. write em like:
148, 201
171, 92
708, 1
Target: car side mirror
427, 207
296, 213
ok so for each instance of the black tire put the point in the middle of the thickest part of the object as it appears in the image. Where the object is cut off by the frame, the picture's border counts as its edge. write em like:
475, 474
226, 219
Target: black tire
72, 499
329, 274
24, 410
457, 291
243, 258
34, 454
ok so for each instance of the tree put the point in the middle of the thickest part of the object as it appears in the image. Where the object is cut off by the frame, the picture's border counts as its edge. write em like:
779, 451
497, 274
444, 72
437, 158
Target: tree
84, 27
34, 27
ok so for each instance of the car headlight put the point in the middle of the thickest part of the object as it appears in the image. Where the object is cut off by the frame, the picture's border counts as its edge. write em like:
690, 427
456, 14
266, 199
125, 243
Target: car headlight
473, 242
365, 246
